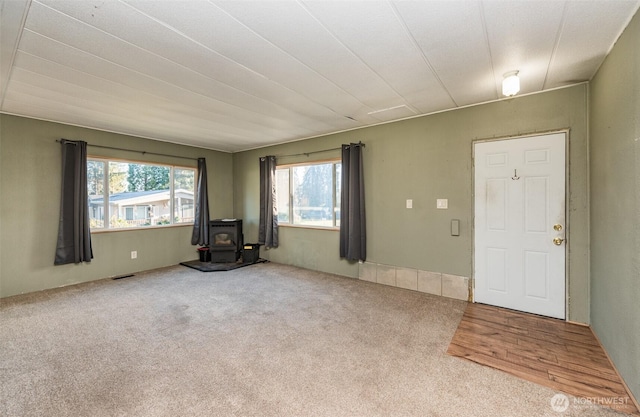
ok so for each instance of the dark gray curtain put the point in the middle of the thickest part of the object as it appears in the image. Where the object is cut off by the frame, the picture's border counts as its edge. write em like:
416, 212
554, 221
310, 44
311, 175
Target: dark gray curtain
268, 231
74, 237
353, 233
200, 235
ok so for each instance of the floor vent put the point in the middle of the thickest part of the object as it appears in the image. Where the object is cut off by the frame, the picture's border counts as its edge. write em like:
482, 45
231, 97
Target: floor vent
123, 276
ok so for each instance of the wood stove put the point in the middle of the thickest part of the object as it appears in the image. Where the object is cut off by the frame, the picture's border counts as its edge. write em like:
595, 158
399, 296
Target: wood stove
225, 240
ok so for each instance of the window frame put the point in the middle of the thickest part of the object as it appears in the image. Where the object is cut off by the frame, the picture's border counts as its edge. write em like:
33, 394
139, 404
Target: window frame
335, 196
105, 207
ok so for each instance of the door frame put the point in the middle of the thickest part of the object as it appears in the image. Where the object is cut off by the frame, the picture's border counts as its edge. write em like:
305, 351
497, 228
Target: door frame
567, 191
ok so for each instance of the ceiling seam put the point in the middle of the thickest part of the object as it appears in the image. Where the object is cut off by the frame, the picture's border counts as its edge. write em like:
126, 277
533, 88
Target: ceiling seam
334, 36
556, 45
122, 119
14, 52
231, 115
426, 60
234, 62
294, 58
486, 39
150, 115
178, 64
228, 115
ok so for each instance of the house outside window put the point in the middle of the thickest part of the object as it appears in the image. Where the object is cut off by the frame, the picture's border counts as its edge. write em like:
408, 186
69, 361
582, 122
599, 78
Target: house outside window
308, 195
139, 195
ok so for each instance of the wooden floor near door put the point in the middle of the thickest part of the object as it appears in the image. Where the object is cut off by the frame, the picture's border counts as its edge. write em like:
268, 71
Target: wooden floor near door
560, 355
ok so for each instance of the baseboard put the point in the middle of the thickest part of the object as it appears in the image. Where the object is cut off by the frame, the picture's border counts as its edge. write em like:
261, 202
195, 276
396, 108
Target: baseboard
580, 324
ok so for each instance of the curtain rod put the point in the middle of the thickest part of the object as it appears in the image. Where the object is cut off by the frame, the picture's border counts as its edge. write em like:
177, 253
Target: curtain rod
130, 150
313, 152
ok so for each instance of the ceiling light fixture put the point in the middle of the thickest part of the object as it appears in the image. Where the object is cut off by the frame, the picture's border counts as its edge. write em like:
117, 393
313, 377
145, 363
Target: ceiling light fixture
511, 84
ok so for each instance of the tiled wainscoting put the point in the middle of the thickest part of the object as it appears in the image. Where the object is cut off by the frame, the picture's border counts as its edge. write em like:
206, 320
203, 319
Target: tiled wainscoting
446, 285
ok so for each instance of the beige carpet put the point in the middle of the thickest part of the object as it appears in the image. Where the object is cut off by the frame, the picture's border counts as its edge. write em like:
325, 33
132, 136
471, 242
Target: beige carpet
266, 340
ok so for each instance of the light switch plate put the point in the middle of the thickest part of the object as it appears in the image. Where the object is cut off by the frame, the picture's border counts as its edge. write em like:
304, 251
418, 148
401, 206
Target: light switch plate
442, 203
409, 203
455, 227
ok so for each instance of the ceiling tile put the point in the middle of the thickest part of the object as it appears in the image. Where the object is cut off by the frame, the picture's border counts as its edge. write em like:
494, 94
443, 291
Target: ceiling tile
373, 32
314, 46
451, 36
208, 25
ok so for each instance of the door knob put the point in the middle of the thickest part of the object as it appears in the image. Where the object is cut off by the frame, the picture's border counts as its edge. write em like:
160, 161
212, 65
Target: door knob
557, 227
558, 241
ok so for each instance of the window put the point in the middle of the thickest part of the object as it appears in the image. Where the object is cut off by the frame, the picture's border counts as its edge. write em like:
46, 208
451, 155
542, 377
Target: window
309, 195
138, 195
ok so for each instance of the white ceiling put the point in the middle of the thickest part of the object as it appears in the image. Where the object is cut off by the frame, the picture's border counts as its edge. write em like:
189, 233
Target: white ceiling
236, 75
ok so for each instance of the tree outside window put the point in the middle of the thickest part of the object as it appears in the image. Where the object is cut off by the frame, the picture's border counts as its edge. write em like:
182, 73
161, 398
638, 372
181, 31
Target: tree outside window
308, 195
139, 195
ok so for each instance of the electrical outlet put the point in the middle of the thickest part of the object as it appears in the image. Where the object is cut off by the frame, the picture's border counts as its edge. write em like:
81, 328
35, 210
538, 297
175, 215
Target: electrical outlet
134, 254
442, 203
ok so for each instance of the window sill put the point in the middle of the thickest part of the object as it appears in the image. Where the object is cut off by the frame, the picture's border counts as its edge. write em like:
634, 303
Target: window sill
128, 229
301, 226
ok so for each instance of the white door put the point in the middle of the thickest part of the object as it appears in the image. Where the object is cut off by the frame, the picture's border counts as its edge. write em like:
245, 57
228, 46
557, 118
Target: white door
519, 257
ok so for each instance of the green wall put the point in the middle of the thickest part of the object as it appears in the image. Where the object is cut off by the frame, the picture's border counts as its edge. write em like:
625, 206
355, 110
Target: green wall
615, 204
424, 159
30, 200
